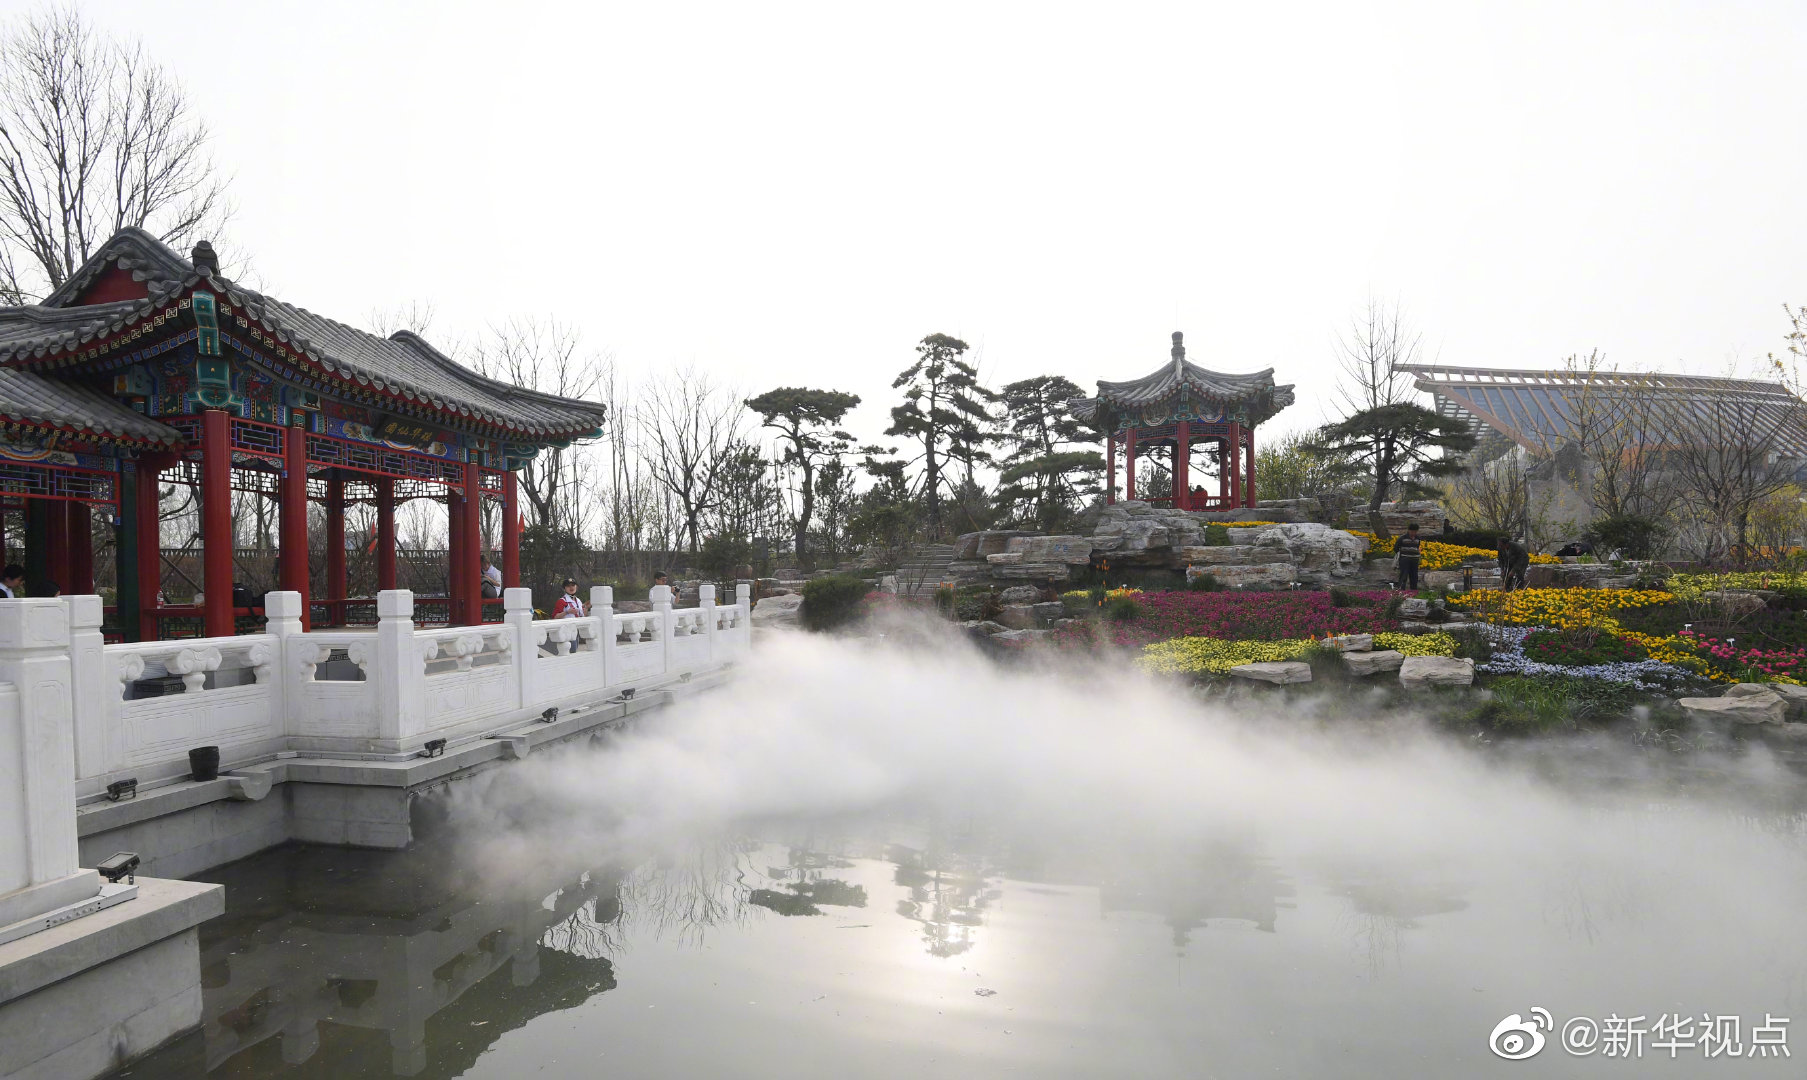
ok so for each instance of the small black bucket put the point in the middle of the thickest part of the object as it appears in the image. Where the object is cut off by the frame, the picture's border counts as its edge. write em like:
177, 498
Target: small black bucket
204, 763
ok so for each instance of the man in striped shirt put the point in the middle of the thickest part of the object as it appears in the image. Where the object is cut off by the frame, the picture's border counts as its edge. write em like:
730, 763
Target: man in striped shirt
1408, 552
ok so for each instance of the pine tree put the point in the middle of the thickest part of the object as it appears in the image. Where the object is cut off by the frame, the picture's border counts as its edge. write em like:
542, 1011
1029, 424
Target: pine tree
807, 421
944, 411
1048, 471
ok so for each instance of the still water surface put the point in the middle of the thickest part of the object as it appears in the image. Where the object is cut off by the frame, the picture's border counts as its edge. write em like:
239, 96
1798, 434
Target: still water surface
928, 943
981, 872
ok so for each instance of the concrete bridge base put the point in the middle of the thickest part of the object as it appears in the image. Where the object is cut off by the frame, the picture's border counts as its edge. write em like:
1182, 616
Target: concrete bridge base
185, 828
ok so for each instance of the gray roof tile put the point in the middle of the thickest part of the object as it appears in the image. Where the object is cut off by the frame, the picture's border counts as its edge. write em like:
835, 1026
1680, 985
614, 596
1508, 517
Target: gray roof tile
403, 364
1256, 388
31, 398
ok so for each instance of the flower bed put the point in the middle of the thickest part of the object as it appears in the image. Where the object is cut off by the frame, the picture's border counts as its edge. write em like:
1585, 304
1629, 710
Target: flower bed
1566, 648
1561, 609
1244, 616
1509, 658
1691, 586
1436, 555
1216, 656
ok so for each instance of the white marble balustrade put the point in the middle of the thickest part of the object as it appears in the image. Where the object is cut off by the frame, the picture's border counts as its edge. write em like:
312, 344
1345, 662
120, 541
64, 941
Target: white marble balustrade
140, 707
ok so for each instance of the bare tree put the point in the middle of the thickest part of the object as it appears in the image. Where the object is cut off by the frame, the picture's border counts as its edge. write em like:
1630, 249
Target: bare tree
94, 137
688, 425
1727, 453
1612, 424
415, 316
1378, 344
547, 356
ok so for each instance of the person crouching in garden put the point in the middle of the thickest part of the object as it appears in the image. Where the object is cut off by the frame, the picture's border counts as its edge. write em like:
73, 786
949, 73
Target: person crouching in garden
1407, 552
568, 605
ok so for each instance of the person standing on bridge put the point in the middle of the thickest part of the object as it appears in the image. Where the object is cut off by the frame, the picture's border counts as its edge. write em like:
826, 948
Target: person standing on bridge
569, 605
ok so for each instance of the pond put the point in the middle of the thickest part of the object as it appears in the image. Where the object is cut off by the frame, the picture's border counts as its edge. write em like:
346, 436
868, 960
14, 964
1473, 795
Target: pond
864, 861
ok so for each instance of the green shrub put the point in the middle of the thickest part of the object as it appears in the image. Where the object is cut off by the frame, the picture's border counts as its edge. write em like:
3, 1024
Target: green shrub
1122, 608
1339, 597
972, 608
1542, 702
1633, 536
831, 601
1217, 536
1204, 583
1472, 643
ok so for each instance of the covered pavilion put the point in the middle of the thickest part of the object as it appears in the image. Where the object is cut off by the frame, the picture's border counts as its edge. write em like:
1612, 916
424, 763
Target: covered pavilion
146, 368
1170, 413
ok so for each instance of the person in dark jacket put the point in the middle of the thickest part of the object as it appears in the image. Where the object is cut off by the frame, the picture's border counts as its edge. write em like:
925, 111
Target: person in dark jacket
1515, 563
1408, 551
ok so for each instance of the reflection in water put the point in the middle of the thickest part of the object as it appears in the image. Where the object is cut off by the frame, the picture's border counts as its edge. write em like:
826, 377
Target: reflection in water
325, 955
804, 890
1221, 880
1384, 902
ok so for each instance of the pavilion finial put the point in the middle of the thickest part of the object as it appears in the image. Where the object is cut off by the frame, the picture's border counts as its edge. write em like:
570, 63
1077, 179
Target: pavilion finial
1179, 355
204, 259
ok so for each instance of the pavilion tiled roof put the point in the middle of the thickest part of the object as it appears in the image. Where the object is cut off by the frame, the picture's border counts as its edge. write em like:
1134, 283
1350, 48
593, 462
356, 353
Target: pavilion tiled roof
1257, 389
403, 365
29, 398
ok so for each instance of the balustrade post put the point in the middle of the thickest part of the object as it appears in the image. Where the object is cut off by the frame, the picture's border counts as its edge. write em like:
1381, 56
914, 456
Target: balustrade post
602, 605
282, 620
705, 603
400, 667
662, 618
39, 862
517, 612
743, 621
94, 750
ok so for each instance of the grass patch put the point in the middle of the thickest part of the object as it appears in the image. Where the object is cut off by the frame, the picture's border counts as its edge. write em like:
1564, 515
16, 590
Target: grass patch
1537, 703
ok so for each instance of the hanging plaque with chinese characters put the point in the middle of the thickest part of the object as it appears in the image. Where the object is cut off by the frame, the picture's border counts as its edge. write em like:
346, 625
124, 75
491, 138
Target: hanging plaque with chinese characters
410, 432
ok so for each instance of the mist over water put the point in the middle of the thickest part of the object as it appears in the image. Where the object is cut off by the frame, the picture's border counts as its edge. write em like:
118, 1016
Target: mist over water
1414, 889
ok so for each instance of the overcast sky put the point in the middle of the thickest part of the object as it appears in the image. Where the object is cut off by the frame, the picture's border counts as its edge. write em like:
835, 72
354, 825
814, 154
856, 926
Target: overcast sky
788, 194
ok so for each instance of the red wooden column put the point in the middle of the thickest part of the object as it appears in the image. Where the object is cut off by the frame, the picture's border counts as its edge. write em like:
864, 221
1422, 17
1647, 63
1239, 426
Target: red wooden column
150, 541
1235, 464
454, 556
511, 531
1182, 467
470, 569
1248, 492
385, 533
56, 542
1129, 464
1110, 469
1223, 473
216, 523
81, 551
336, 586
293, 558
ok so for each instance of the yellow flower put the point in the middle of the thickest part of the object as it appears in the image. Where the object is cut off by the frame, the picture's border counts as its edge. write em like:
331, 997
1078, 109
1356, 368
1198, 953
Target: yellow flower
1436, 555
1562, 609
1216, 656
1691, 586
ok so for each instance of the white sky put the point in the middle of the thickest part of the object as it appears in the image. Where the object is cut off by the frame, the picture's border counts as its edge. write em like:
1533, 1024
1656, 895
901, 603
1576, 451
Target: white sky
789, 194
